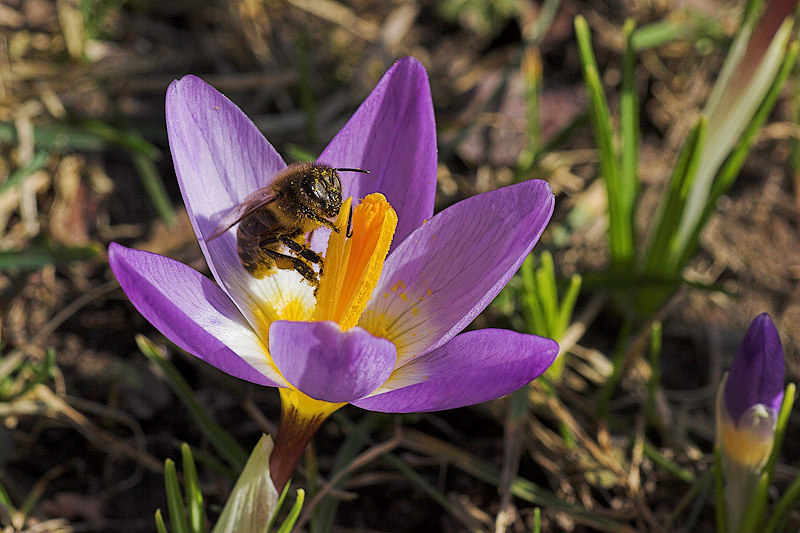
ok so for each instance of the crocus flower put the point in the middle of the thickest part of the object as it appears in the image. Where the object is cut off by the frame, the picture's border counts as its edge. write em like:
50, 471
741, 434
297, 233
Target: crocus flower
752, 395
748, 403
383, 331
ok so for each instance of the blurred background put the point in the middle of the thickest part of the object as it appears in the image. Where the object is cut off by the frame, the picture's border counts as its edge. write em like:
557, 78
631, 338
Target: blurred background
88, 420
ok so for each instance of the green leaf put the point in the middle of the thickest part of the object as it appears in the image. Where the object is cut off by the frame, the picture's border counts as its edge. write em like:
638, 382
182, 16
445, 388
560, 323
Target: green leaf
253, 500
731, 107
730, 168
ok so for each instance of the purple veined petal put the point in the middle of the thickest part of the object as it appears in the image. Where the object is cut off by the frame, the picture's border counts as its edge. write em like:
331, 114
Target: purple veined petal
220, 157
193, 312
473, 367
329, 364
450, 269
393, 135
757, 371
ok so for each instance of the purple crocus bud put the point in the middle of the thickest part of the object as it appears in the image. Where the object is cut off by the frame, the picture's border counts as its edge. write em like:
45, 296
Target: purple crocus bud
752, 396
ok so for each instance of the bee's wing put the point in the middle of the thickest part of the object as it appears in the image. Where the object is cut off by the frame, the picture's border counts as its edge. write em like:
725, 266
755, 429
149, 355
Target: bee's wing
254, 201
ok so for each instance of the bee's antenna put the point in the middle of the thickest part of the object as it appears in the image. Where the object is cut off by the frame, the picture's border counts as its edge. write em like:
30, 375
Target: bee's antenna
353, 170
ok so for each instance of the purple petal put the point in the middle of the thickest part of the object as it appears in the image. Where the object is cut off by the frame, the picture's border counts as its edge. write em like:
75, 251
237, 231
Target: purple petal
474, 367
193, 312
449, 269
393, 135
757, 371
220, 157
328, 364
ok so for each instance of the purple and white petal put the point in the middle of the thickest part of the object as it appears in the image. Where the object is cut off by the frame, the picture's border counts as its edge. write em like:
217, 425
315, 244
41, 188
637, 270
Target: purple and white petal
473, 367
393, 135
329, 364
450, 269
193, 312
220, 157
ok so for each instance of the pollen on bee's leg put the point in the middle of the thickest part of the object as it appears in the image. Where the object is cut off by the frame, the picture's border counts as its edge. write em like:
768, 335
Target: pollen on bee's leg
353, 265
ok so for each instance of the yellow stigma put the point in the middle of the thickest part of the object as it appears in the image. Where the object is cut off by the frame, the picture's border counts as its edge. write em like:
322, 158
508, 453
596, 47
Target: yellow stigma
353, 265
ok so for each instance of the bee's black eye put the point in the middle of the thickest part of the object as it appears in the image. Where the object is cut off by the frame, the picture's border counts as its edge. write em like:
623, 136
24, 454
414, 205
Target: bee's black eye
318, 190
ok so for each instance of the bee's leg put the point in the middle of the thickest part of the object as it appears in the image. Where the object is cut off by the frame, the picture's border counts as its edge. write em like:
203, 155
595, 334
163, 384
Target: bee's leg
327, 223
300, 250
287, 262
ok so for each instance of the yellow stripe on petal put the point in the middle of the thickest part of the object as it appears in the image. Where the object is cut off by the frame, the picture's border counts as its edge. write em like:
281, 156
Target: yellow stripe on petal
353, 266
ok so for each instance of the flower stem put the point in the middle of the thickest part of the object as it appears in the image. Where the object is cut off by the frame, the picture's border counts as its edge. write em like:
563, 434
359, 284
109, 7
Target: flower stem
301, 417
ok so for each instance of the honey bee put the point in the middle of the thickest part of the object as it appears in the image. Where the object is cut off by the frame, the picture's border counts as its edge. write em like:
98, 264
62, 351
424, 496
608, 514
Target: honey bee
274, 221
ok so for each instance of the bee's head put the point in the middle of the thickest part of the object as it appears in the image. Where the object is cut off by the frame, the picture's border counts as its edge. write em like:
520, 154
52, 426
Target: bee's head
325, 190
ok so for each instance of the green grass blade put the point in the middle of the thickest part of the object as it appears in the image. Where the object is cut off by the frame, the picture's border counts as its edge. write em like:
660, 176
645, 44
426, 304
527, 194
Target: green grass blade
5, 499
655, 378
785, 504
629, 124
19, 175
531, 73
671, 208
154, 186
754, 516
401, 466
143, 155
325, 513
294, 512
535, 319
161, 527
780, 429
537, 520
719, 492
177, 512
227, 447
620, 228
56, 137
521, 488
674, 469
546, 292
191, 489
568, 304
659, 33
278, 505
39, 256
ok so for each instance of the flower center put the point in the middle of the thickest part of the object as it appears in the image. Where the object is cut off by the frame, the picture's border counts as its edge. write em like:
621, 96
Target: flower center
353, 265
